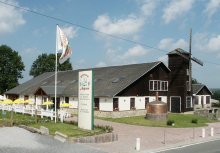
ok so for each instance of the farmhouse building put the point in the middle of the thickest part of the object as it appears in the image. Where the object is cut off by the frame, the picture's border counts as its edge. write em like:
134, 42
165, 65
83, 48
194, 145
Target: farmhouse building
122, 88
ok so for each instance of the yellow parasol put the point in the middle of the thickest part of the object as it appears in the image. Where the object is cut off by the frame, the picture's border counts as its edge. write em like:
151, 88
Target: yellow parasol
28, 101
47, 103
18, 101
7, 101
65, 105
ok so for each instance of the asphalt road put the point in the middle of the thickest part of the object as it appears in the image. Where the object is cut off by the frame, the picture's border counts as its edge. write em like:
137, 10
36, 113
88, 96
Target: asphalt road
18, 140
207, 147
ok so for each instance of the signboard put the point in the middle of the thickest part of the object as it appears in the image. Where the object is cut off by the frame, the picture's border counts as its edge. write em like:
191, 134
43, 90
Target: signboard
86, 100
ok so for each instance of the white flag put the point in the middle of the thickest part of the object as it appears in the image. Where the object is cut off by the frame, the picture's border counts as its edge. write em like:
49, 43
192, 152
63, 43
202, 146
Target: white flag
63, 44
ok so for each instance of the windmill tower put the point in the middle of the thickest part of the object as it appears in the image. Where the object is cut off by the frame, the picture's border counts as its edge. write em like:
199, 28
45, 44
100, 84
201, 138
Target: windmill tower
180, 79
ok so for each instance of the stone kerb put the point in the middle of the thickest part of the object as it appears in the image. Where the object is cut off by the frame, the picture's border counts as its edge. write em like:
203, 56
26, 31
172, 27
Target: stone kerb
60, 136
102, 138
44, 130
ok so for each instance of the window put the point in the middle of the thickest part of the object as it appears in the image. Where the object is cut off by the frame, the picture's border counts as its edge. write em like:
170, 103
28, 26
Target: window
164, 85
159, 98
187, 86
66, 99
158, 85
187, 72
96, 101
207, 99
196, 100
188, 102
146, 102
115, 104
132, 103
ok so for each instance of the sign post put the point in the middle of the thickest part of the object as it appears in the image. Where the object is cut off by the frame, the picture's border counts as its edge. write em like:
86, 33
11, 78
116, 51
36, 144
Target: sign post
86, 100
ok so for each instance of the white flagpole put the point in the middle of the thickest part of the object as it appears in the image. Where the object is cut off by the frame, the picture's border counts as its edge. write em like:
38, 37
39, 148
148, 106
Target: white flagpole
56, 77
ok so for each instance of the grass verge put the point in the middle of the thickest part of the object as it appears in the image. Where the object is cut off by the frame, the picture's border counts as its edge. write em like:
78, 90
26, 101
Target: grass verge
70, 129
180, 121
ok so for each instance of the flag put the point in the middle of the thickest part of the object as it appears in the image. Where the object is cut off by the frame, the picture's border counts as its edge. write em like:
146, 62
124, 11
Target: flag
63, 44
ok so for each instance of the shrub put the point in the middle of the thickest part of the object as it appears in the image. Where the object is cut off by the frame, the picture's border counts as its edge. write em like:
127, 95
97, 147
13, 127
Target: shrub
195, 121
170, 122
105, 128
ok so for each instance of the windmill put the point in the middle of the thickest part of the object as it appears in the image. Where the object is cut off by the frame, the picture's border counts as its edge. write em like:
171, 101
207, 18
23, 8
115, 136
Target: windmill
190, 59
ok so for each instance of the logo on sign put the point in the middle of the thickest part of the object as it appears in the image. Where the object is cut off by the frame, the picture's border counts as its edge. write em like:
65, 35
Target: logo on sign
85, 82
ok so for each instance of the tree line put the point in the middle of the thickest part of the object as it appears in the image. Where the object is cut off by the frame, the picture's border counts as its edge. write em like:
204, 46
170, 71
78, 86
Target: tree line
11, 67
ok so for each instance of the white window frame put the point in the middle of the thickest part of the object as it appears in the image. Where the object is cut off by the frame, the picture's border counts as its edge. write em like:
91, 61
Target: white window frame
190, 101
157, 85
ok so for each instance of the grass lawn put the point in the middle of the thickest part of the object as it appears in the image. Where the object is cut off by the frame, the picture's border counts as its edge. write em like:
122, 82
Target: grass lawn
180, 120
69, 129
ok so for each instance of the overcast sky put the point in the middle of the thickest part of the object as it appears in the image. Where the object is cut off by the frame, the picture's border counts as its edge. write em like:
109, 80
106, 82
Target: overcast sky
161, 24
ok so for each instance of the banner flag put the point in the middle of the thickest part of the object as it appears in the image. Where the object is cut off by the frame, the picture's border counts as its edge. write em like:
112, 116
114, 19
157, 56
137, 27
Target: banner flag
63, 44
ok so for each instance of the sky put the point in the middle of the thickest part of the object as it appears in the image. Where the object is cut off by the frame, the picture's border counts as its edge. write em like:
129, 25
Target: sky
143, 31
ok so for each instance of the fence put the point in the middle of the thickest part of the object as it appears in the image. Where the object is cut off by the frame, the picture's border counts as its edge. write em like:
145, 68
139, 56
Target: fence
30, 109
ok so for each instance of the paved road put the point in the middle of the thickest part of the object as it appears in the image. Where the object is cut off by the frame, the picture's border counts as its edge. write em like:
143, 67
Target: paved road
208, 147
14, 139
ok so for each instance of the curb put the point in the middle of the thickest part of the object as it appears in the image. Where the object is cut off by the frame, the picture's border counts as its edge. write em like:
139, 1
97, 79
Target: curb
180, 145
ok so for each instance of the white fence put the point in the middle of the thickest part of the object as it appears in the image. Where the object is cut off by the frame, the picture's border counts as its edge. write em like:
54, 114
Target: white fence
30, 109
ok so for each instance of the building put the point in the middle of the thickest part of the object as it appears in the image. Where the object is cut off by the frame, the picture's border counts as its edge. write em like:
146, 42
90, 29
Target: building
121, 88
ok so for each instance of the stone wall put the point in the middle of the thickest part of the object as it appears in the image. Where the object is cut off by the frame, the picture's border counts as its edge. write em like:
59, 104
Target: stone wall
114, 114
212, 113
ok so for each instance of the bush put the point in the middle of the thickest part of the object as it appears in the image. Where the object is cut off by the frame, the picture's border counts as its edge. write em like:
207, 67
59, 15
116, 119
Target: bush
170, 122
195, 121
105, 128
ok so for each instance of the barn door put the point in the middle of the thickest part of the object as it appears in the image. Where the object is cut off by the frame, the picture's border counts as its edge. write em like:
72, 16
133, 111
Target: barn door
175, 104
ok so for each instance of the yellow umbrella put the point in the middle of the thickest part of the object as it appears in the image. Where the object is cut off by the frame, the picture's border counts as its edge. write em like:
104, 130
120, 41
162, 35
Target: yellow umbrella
28, 101
47, 103
18, 101
7, 101
65, 105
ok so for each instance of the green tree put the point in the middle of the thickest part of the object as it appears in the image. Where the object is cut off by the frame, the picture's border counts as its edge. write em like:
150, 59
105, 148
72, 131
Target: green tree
46, 63
194, 81
11, 67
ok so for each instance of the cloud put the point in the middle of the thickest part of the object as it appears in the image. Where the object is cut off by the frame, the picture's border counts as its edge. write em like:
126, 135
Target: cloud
164, 59
71, 32
136, 51
127, 26
208, 44
175, 9
169, 44
148, 7
10, 17
117, 56
212, 7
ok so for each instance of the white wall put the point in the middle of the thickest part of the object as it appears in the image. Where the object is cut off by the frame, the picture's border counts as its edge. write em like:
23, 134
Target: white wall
21, 97
140, 102
124, 103
105, 104
73, 101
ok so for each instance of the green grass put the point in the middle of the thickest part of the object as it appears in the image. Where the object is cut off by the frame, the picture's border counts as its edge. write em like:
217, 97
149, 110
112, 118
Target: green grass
180, 120
69, 129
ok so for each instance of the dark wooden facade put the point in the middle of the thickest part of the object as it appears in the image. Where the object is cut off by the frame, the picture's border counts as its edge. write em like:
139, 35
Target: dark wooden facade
140, 87
178, 79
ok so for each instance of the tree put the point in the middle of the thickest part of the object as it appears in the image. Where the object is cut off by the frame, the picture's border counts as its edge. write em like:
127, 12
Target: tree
11, 67
194, 81
46, 63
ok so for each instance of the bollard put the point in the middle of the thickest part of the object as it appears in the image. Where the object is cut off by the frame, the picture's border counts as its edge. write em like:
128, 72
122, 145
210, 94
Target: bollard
212, 131
138, 144
203, 132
